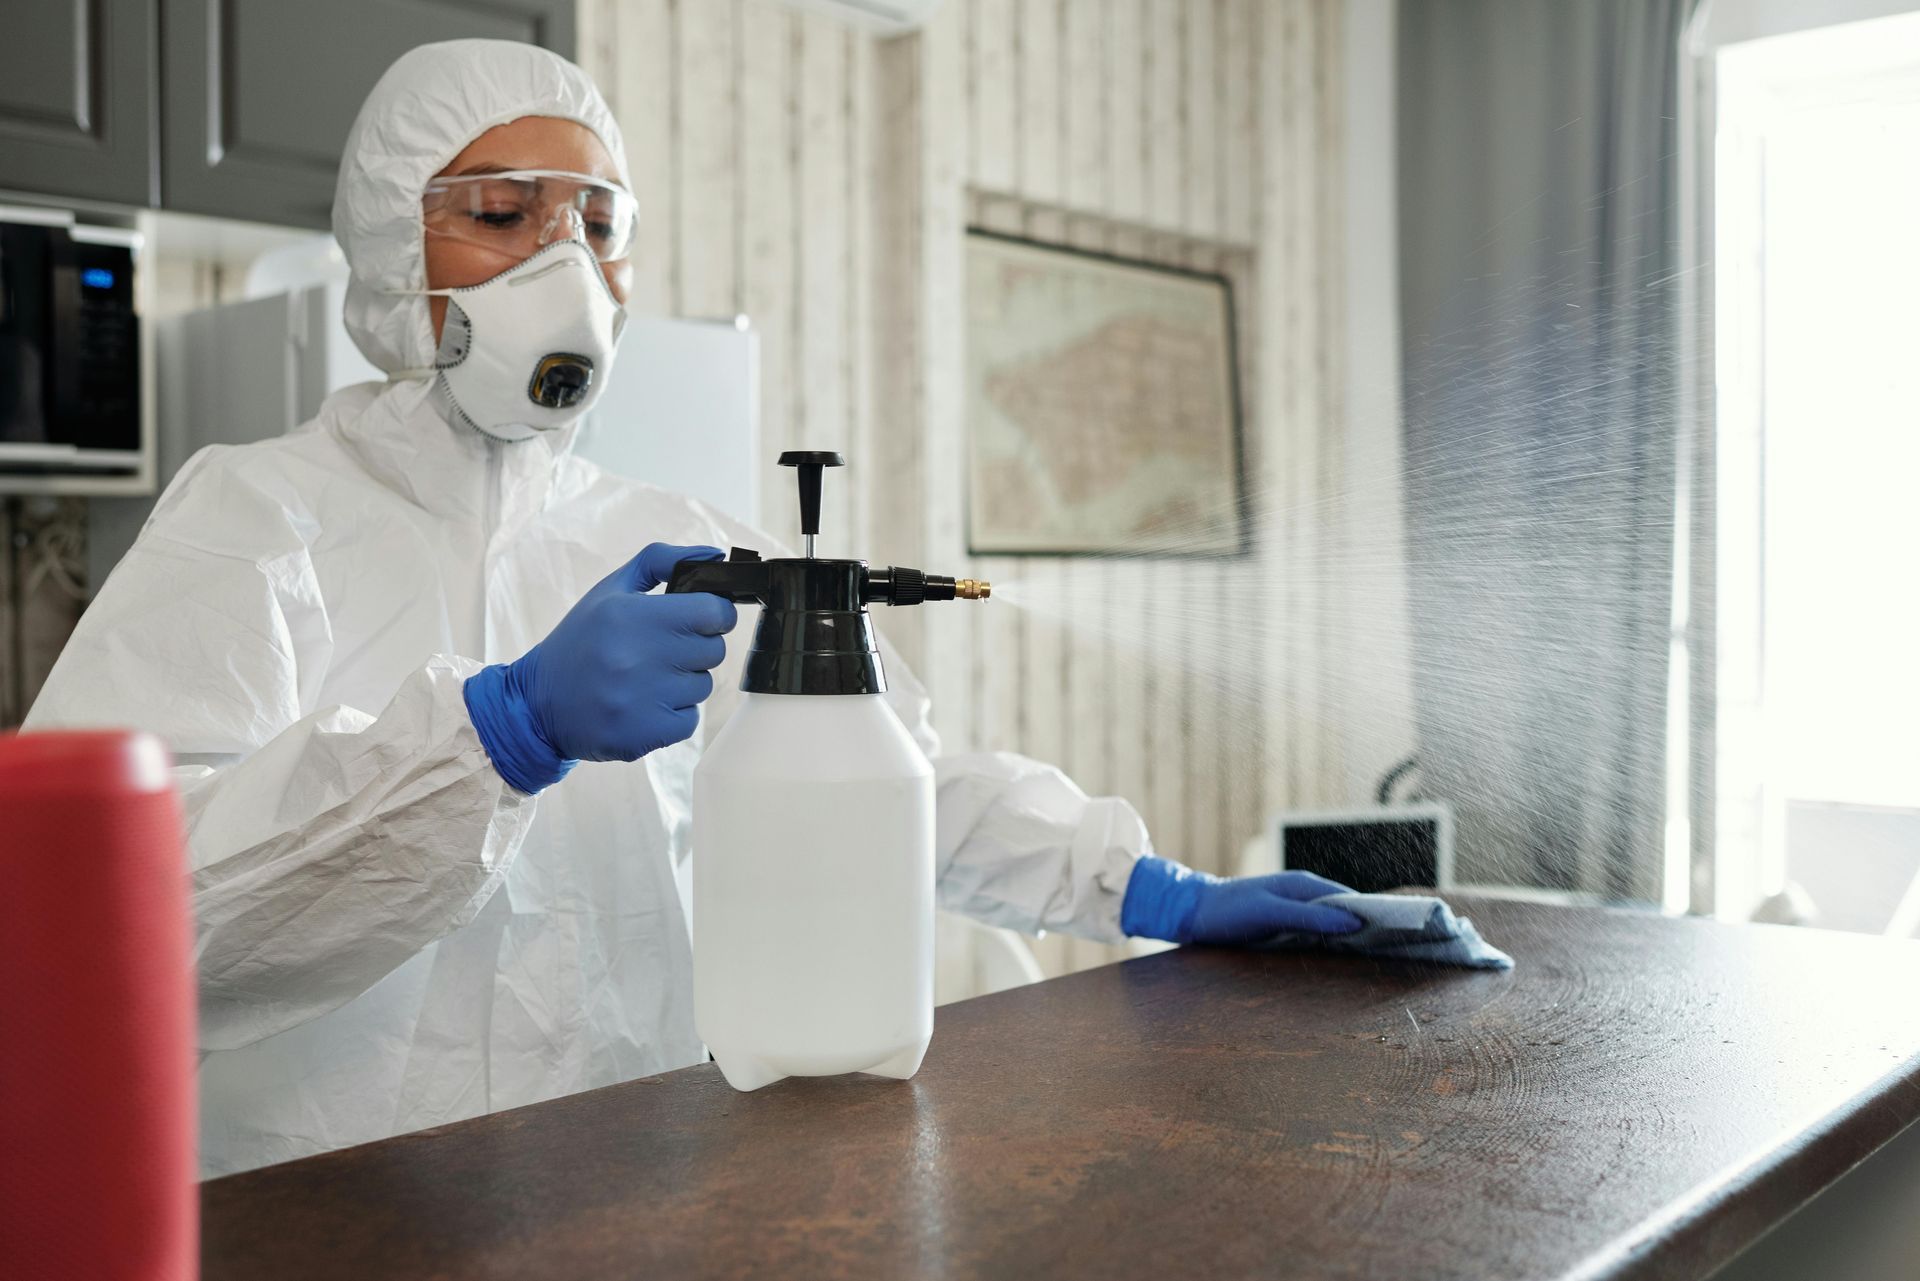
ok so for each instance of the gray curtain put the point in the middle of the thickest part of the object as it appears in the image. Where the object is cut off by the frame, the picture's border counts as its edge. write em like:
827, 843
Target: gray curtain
1538, 245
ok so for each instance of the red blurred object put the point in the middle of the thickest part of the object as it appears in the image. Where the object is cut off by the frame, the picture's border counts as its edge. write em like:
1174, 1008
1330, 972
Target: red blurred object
97, 1167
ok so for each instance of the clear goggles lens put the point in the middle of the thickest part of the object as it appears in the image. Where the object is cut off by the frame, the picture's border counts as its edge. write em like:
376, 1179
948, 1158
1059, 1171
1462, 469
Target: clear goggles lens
519, 213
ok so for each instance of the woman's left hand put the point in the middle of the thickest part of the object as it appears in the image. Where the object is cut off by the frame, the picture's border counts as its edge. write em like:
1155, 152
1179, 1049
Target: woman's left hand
1166, 900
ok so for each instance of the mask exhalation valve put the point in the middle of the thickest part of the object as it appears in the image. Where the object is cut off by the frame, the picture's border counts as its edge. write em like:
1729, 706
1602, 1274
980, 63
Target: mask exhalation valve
561, 381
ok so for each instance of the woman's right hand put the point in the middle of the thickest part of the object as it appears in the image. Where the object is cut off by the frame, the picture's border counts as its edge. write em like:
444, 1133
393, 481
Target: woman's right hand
623, 674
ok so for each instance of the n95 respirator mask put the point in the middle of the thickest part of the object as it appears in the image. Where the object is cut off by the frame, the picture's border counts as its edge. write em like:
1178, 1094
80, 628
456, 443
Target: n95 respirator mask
529, 350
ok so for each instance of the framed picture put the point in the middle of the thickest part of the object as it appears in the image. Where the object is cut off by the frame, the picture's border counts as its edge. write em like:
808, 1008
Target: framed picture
1103, 405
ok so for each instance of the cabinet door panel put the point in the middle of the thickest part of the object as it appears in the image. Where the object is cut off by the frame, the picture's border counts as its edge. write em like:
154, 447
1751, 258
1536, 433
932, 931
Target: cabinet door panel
74, 90
260, 93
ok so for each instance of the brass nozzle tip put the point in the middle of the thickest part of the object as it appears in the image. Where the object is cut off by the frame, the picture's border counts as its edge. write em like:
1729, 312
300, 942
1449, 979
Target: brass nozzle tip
972, 588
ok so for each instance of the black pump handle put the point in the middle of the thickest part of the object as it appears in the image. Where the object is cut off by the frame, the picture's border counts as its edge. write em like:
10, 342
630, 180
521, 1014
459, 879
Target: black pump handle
742, 577
810, 461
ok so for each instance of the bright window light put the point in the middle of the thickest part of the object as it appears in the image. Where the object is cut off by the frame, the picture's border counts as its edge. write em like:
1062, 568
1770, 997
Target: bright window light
1817, 253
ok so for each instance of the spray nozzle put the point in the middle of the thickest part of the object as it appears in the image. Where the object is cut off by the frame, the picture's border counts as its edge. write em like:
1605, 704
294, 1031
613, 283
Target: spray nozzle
898, 585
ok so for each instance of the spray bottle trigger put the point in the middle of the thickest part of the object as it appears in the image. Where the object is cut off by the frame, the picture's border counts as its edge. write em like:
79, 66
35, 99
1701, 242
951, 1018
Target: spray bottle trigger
741, 578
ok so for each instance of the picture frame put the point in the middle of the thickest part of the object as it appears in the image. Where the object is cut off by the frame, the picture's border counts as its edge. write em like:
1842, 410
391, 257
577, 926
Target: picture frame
1103, 405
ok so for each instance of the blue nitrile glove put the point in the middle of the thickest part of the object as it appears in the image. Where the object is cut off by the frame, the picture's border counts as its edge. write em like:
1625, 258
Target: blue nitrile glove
622, 675
1166, 900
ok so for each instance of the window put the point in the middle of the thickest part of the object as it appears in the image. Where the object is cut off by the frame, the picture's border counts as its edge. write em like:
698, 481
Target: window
1816, 229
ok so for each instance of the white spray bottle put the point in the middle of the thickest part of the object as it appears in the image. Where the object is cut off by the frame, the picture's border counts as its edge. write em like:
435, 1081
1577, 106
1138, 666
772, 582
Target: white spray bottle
813, 826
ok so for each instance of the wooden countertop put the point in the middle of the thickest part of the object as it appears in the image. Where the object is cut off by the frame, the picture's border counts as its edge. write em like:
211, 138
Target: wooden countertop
1642, 1097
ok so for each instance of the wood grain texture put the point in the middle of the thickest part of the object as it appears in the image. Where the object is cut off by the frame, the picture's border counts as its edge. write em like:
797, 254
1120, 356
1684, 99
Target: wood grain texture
1641, 1098
1325, 426
1239, 124
643, 100
1163, 730
822, 249
706, 157
1039, 101
897, 377
1164, 74
1126, 100
769, 204
993, 88
1086, 585
597, 46
1130, 637
1044, 728
999, 667
1084, 32
1201, 120
947, 142
1279, 373
862, 178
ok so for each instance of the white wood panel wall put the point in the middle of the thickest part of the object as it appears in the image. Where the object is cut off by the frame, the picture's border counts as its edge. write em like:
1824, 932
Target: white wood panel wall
750, 130
1208, 125
819, 180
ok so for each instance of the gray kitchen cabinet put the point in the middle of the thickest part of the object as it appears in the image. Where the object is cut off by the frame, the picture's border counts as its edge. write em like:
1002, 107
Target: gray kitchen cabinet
258, 94
76, 86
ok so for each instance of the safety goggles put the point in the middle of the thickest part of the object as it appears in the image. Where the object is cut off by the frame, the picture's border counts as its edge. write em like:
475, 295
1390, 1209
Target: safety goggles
519, 212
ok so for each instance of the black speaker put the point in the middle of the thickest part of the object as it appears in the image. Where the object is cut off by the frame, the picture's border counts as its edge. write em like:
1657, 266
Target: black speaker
1383, 848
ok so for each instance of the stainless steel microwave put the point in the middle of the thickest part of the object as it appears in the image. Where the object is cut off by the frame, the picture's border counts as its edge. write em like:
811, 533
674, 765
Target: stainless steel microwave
70, 367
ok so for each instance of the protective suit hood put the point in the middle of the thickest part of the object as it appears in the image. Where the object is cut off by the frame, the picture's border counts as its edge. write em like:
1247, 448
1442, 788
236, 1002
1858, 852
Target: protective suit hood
431, 103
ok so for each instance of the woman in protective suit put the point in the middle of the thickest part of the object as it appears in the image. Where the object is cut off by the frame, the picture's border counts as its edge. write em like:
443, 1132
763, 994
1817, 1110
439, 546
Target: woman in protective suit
434, 735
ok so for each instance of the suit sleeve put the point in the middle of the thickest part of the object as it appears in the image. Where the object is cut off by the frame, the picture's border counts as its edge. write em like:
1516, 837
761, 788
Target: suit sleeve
1017, 843
327, 845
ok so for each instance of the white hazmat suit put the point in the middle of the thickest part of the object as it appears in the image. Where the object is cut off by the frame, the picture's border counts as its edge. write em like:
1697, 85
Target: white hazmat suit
389, 936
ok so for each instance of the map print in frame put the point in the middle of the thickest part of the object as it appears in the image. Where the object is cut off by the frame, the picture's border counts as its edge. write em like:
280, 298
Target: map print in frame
1102, 408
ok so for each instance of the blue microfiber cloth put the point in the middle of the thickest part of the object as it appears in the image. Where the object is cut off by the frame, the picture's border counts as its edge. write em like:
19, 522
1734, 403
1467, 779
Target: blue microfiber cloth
1402, 926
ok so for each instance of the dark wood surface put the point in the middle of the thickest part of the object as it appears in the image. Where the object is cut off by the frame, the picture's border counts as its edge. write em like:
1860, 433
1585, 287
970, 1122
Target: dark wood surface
1642, 1097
